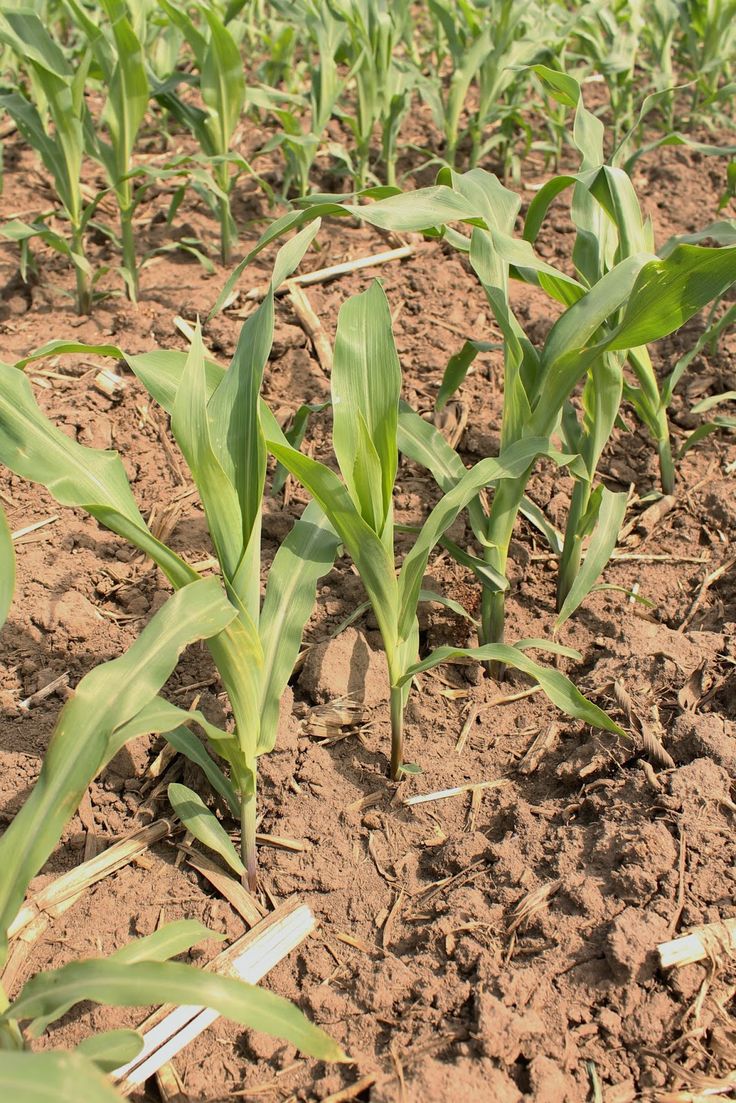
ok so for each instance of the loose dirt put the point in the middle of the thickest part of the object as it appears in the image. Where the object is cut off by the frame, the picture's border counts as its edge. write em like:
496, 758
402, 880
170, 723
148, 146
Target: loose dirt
490, 946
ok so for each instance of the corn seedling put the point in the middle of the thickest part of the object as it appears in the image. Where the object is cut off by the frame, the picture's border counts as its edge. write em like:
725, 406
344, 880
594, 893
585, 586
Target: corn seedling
299, 139
216, 422
120, 65
52, 119
222, 88
366, 383
115, 702
383, 82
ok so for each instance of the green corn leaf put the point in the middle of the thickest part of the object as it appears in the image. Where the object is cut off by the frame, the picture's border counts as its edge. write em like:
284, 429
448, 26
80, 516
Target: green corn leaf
668, 292
170, 940
106, 698
187, 743
127, 103
62, 348
307, 553
512, 464
31, 446
167, 942
7, 568
487, 574
203, 824
554, 648
154, 982
111, 1049
191, 427
27, 1077
430, 597
222, 83
457, 369
555, 684
372, 559
366, 383
605, 534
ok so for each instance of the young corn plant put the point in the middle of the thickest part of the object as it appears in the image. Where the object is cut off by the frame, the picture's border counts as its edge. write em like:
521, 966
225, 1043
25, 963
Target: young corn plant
611, 228
222, 87
120, 65
114, 703
52, 117
216, 421
300, 140
366, 384
383, 82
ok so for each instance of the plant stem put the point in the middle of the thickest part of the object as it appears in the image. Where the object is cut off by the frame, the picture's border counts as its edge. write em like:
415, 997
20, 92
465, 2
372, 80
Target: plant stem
84, 292
248, 839
397, 733
130, 261
666, 463
572, 550
226, 231
499, 529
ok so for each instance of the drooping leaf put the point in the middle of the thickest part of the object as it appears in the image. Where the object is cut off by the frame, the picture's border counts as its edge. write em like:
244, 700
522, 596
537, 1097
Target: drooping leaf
203, 824
105, 699
143, 983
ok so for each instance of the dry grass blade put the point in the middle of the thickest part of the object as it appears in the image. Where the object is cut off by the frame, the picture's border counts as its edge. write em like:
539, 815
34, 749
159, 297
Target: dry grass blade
44, 692
458, 790
352, 1092
542, 742
55, 898
311, 325
713, 940
653, 747
391, 919
639, 528
323, 275
334, 720
20, 533
451, 422
233, 891
530, 904
706, 584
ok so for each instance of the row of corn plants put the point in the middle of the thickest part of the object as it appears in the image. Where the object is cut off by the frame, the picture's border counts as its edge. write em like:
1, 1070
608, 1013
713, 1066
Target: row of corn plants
361, 64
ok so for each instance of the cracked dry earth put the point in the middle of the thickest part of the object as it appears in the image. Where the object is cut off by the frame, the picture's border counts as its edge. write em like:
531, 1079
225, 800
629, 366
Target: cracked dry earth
496, 945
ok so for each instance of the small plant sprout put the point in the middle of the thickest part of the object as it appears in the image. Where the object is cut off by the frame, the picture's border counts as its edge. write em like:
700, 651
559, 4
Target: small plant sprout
366, 384
216, 420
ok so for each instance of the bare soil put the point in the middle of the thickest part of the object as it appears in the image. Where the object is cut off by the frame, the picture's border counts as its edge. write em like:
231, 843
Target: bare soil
496, 947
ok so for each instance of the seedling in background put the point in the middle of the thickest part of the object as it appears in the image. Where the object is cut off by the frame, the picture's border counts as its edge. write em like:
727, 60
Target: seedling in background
222, 86
216, 421
119, 60
114, 703
52, 119
366, 384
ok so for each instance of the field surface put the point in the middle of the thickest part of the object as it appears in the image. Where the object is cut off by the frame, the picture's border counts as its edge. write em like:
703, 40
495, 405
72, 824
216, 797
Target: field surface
498, 944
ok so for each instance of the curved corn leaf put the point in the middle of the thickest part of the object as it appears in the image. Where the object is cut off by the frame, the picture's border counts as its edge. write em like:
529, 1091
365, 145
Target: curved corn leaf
31, 446
431, 597
372, 559
106, 698
7, 568
111, 1049
187, 743
457, 368
668, 292
61, 348
307, 553
512, 464
170, 940
203, 824
27, 1077
603, 541
555, 684
152, 982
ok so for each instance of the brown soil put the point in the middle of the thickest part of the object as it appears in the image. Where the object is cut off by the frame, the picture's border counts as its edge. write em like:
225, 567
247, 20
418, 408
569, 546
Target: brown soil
418, 967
